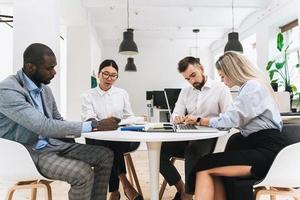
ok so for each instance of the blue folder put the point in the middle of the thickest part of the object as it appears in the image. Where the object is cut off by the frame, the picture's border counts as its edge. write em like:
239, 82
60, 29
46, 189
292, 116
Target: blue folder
133, 128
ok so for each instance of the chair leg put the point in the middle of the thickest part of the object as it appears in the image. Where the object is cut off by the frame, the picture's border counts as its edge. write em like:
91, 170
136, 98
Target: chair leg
10, 194
33, 185
33, 192
133, 173
49, 191
162, 189
164, 184
129, 168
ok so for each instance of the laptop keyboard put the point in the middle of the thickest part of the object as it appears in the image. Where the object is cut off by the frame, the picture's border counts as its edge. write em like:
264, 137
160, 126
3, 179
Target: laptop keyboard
186, 126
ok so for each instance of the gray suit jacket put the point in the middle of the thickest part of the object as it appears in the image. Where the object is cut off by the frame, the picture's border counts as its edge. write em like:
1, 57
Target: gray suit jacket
22, 122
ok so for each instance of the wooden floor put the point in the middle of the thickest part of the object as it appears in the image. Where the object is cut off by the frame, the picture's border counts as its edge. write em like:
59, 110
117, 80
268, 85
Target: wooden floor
140, 160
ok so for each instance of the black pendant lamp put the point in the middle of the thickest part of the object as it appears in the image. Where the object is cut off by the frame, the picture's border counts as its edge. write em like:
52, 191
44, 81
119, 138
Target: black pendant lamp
128, 46
130, 66
233, 43
197, 31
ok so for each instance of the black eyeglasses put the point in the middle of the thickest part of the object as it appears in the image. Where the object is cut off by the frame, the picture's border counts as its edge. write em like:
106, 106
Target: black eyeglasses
107, 75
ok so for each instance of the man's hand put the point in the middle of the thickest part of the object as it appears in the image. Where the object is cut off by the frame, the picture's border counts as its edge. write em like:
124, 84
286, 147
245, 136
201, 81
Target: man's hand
180, 119
190, 119
108, 124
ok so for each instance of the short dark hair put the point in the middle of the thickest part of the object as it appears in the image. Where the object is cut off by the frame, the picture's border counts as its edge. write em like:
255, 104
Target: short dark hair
107, 63
35, 53
185, 62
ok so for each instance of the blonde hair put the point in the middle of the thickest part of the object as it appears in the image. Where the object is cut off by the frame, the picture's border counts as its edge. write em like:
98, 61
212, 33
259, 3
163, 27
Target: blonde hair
239, 70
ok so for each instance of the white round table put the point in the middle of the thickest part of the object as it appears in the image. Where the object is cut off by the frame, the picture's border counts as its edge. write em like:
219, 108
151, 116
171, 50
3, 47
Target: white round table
153, 141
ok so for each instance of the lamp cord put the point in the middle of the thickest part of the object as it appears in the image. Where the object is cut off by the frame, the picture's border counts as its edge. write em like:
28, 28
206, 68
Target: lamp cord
127, 14
197, 45
232, 8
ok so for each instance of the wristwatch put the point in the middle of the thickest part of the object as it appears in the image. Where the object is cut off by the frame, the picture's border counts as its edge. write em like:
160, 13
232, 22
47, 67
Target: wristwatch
94, 125
198, 121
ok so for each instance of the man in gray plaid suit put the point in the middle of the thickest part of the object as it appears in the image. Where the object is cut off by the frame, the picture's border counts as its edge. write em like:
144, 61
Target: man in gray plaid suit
29, 115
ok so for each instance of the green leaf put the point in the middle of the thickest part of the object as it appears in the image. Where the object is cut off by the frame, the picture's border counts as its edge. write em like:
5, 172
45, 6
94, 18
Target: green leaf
269, 65
298, 65
294, 88
279, 41
271, 73
279, 65
274, 81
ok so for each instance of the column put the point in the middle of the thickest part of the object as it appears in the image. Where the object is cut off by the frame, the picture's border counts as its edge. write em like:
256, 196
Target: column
37, 21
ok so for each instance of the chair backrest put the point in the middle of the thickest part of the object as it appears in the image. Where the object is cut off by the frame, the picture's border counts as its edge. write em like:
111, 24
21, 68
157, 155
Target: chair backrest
284, 171
16, 163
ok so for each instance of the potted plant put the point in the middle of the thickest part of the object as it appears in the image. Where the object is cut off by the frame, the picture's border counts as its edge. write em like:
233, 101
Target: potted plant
297, 95
280, 68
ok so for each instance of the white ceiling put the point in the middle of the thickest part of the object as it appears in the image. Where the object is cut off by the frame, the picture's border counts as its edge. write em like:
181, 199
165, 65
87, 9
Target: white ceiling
170, 19
160, 19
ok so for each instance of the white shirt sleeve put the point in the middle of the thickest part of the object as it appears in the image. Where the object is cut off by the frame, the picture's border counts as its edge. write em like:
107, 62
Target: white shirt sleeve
180, 107
87, 110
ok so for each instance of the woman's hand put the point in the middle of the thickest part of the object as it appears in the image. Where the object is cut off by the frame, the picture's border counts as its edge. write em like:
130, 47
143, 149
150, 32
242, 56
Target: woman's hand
204, 121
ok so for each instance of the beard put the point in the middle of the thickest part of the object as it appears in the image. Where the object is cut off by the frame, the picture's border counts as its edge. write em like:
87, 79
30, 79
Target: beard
199, 85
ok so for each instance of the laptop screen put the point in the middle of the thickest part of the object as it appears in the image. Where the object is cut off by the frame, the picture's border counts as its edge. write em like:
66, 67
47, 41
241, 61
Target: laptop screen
168, 107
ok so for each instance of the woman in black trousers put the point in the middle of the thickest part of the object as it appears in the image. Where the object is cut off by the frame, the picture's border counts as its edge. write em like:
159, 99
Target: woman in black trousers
254, 112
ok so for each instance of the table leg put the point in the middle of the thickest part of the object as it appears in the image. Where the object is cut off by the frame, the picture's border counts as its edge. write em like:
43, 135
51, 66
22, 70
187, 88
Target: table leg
153, 159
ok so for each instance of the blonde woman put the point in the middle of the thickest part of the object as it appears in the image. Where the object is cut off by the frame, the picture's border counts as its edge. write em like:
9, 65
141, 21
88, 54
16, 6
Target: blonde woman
255, 113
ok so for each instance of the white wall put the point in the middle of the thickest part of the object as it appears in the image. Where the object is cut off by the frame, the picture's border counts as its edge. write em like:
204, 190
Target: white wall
78, 68
83, 53
37, 21
6, 51
156, 68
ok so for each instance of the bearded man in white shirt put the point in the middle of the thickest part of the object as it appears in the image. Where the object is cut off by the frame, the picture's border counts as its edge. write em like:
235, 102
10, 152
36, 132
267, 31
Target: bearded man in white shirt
204, 97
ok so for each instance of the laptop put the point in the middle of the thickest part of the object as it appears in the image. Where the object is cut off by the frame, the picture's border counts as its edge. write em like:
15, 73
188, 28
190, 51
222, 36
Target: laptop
187, 128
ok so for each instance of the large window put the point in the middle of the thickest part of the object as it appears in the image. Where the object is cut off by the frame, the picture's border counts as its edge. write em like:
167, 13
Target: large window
291, 38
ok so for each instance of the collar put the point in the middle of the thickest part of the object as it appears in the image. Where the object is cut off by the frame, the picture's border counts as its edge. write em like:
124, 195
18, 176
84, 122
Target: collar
207, 84
30, 85
102, 92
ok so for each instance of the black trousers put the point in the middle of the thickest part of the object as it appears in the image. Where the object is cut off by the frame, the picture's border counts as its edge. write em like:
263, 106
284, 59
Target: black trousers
119, 148
191, 151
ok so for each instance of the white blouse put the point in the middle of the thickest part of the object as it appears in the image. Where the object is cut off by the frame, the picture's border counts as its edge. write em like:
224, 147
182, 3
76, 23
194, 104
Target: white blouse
252, 110
99, 104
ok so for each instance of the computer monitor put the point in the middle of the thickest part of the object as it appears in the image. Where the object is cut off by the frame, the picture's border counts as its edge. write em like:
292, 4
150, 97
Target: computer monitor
159, 99
172, 94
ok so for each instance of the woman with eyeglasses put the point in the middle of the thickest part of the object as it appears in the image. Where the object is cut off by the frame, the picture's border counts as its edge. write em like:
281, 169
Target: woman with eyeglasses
255, 113
105, 101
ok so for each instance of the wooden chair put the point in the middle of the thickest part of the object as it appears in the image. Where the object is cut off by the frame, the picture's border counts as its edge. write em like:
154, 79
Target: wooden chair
131, 169
16, 166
